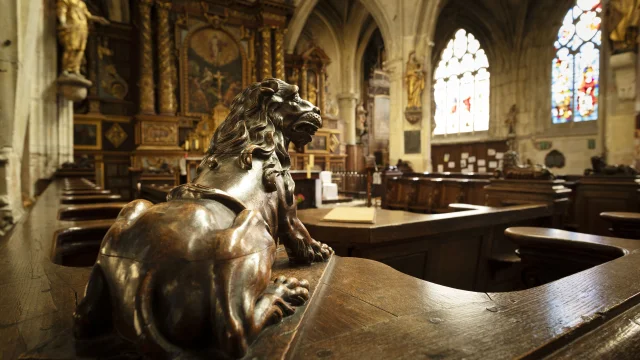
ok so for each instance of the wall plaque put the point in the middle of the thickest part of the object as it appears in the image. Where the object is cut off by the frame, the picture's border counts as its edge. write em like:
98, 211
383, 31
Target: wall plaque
412, 142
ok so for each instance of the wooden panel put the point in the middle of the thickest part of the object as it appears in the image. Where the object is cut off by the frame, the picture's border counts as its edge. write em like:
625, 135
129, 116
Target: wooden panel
603, 194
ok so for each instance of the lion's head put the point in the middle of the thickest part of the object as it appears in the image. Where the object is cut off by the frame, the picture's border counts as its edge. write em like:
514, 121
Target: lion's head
263, 119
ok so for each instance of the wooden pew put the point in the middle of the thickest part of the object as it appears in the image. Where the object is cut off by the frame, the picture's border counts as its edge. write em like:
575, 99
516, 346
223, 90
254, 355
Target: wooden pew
432, 195
90, 211
358, 308
597, 194
551, 254
623, 224
456, 249
400, 192
90, 199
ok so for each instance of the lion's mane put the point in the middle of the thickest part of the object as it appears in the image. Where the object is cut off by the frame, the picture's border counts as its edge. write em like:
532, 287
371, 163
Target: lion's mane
250, 128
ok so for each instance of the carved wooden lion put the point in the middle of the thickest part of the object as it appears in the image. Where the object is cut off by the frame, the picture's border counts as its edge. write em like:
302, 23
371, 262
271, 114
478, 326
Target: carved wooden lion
193, 275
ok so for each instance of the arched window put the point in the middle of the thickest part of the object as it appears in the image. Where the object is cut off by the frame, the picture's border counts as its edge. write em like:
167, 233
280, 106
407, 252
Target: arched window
461, 87
575, 71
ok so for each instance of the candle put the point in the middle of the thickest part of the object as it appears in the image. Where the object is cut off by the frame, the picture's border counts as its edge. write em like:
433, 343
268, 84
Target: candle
186, 145
197, 144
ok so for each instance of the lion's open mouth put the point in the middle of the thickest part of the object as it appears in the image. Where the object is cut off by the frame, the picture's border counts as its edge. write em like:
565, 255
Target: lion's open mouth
309, 123
306, 126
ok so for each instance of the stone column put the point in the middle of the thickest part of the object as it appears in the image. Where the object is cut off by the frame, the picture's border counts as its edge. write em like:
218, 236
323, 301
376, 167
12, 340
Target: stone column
279, 66
167, 96
347, 104
266, 70
65, 129
146, 85
620, 121
397, 96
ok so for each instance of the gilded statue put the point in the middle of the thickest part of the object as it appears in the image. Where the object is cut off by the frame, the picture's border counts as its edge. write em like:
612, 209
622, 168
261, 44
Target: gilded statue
624, 14
415, 81
191, 277
312, 92
73, 30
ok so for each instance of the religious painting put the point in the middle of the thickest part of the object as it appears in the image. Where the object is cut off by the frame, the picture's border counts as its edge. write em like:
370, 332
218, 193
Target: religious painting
213, 69
319, 144
87, 134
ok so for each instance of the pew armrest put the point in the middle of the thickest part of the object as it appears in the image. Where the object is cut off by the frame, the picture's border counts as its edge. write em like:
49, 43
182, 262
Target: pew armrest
561, 240
626, 217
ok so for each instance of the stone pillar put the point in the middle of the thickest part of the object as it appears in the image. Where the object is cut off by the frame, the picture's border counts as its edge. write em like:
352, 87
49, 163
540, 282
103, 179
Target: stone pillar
167, 96
146, 85
347, 104
397, 94
279, 45
266, 70
620, 121
65, 129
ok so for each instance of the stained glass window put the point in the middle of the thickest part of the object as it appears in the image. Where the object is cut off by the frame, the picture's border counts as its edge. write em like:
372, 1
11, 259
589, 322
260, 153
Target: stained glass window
461, 87
575, 71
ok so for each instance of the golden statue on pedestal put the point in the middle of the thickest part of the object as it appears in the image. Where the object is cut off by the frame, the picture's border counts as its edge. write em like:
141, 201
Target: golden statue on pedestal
73, 16
415, 82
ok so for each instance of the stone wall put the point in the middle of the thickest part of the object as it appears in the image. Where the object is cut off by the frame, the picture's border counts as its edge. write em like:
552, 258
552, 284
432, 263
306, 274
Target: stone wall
36, 126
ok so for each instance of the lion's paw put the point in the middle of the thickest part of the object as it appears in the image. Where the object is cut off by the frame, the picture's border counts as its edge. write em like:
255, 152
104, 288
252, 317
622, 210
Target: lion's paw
309, 252
321, 251
292, 290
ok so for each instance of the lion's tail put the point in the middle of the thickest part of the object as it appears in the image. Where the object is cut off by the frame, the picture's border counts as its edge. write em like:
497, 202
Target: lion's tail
151, 341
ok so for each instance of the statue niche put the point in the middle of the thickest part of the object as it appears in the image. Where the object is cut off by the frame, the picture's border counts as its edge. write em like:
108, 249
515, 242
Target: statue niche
202, 260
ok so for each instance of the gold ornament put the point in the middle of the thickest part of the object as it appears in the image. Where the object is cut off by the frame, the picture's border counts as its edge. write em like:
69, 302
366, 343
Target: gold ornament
116, 135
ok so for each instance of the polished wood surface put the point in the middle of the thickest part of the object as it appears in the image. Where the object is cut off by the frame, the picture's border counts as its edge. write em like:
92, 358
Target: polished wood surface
90, 211
359, 308
465, 249
90, 199
623, 224
394, 225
